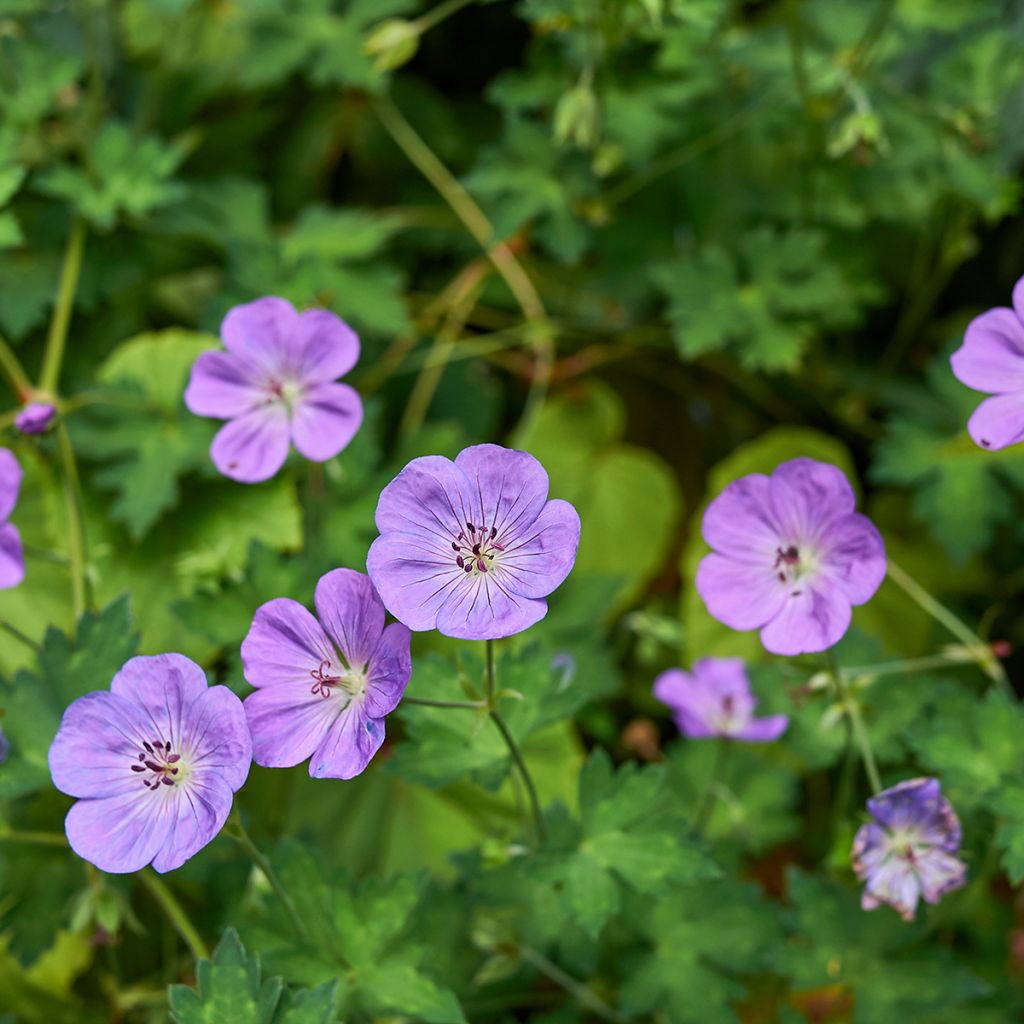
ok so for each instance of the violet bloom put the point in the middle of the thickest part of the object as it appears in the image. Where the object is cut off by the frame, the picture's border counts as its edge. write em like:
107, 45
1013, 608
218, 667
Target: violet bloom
155, 762
35, 418
324, 687
790, 556
991, 360
472, 547
715, 700
910, 849
277, 382
12, 557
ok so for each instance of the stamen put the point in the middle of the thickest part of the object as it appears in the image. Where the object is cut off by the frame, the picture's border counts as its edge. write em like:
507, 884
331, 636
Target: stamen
494, 532
471, 527
138, 767
455, 546
481, 565
460, 561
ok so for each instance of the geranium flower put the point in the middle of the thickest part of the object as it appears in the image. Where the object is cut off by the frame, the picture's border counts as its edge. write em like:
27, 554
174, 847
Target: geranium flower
715, 700
154, 762
791, 556
472, 547
324, 687
991, 360
909, 850
277, 382
12, 557
35, 418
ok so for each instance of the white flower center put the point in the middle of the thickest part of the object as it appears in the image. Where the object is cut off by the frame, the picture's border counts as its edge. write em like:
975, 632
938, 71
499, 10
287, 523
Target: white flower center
477, 550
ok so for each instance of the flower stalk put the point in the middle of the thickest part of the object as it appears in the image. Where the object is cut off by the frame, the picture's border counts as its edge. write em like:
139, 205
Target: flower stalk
860, 733
169, 904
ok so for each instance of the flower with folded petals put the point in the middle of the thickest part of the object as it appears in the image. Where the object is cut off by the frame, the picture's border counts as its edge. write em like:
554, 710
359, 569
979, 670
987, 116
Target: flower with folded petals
715, 700
277, 384
472, 547
324, 684
910, 848
790, 556
155, 763
12, 557
35, 418
991, 360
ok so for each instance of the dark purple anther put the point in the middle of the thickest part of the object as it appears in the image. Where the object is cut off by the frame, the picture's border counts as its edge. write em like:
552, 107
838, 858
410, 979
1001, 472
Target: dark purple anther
455, 546
471, 527
481, 565
494, 532
460, 561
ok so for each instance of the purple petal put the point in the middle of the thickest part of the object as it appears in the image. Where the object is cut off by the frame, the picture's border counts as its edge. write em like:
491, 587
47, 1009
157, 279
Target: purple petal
739, 595
390, 669
672, 688
218, 737
806, 494
426, 501
164, 687
284, 645
351, 613
810, 620
991, 358
998, 422
540, 559
222, 385
326, 348
287, 723
349, 746
253, 447
10, 482
262, 332
918, 804
938, 872
480, 608
855, 557
12, 556
740, 521
763, 730
123, 833
198, 812
325, 420
35, 417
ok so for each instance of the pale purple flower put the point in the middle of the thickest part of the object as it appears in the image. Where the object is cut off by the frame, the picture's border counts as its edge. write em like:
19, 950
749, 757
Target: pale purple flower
790, 556
715, 700
12, 557
472, 547
991, 360
35, 418
277, 384
155, 763
324, 687
909, 850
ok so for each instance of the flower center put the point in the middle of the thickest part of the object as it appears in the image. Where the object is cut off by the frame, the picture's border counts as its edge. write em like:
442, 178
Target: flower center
350, 683
281, 389
791, 564
475, 549
159, 765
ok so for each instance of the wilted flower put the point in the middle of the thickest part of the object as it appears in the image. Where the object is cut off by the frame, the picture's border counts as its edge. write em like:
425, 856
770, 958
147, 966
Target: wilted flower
909, 850
12, 557
277, 382
154, 761
790, 556
991, 359
324, 687
473, 547
35, 418
715, 700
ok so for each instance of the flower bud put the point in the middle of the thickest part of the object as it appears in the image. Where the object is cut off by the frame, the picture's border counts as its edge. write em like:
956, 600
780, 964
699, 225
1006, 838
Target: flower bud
392, 43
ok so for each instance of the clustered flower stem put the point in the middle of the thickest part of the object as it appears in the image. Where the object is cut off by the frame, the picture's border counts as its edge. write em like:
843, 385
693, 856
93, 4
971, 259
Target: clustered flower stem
860, 733
175, 913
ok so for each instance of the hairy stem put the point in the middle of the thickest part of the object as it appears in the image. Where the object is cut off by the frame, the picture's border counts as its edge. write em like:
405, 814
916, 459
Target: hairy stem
169, 904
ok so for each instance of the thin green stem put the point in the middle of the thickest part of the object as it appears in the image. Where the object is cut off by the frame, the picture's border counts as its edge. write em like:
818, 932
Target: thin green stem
489, 673
576, 989
13, 630
53, 359
860, 733
76, 528
468, 705
706, 803
520, 762
12, 369
33, 838
953, 657
425, 22
169, 904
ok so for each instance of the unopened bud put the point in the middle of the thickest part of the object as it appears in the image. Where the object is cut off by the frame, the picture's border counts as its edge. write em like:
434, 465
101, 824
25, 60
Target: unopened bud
392, 43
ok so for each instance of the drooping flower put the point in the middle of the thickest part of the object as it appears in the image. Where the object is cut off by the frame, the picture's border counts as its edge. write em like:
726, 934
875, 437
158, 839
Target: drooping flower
324, 687
277, 383
790, 556
715, 700
12, 557
154, 762
35, 418
472, 547
910, 848
991, 360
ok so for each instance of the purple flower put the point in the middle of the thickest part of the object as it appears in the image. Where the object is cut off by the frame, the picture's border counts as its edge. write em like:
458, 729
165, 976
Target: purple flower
35, 418
472, 548
715, 700
324, 687
154, 762
991, 359
277, 382
909, 850
790, 556
12, 558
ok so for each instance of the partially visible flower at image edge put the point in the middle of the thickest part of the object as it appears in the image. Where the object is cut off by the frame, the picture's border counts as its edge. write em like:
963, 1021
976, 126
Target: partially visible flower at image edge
909, 850
472, 547
715, 700
35, 418
277, 384
991, 360
324, 684
790, 556
12, 556
154, 763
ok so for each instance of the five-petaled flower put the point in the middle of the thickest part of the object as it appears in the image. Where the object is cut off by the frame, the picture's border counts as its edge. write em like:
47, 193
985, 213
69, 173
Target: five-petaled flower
277, 382
910, 848
12, 557
991, 360
154, 762
472, 547
324, 687
715, 700
35, 417
790, 556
